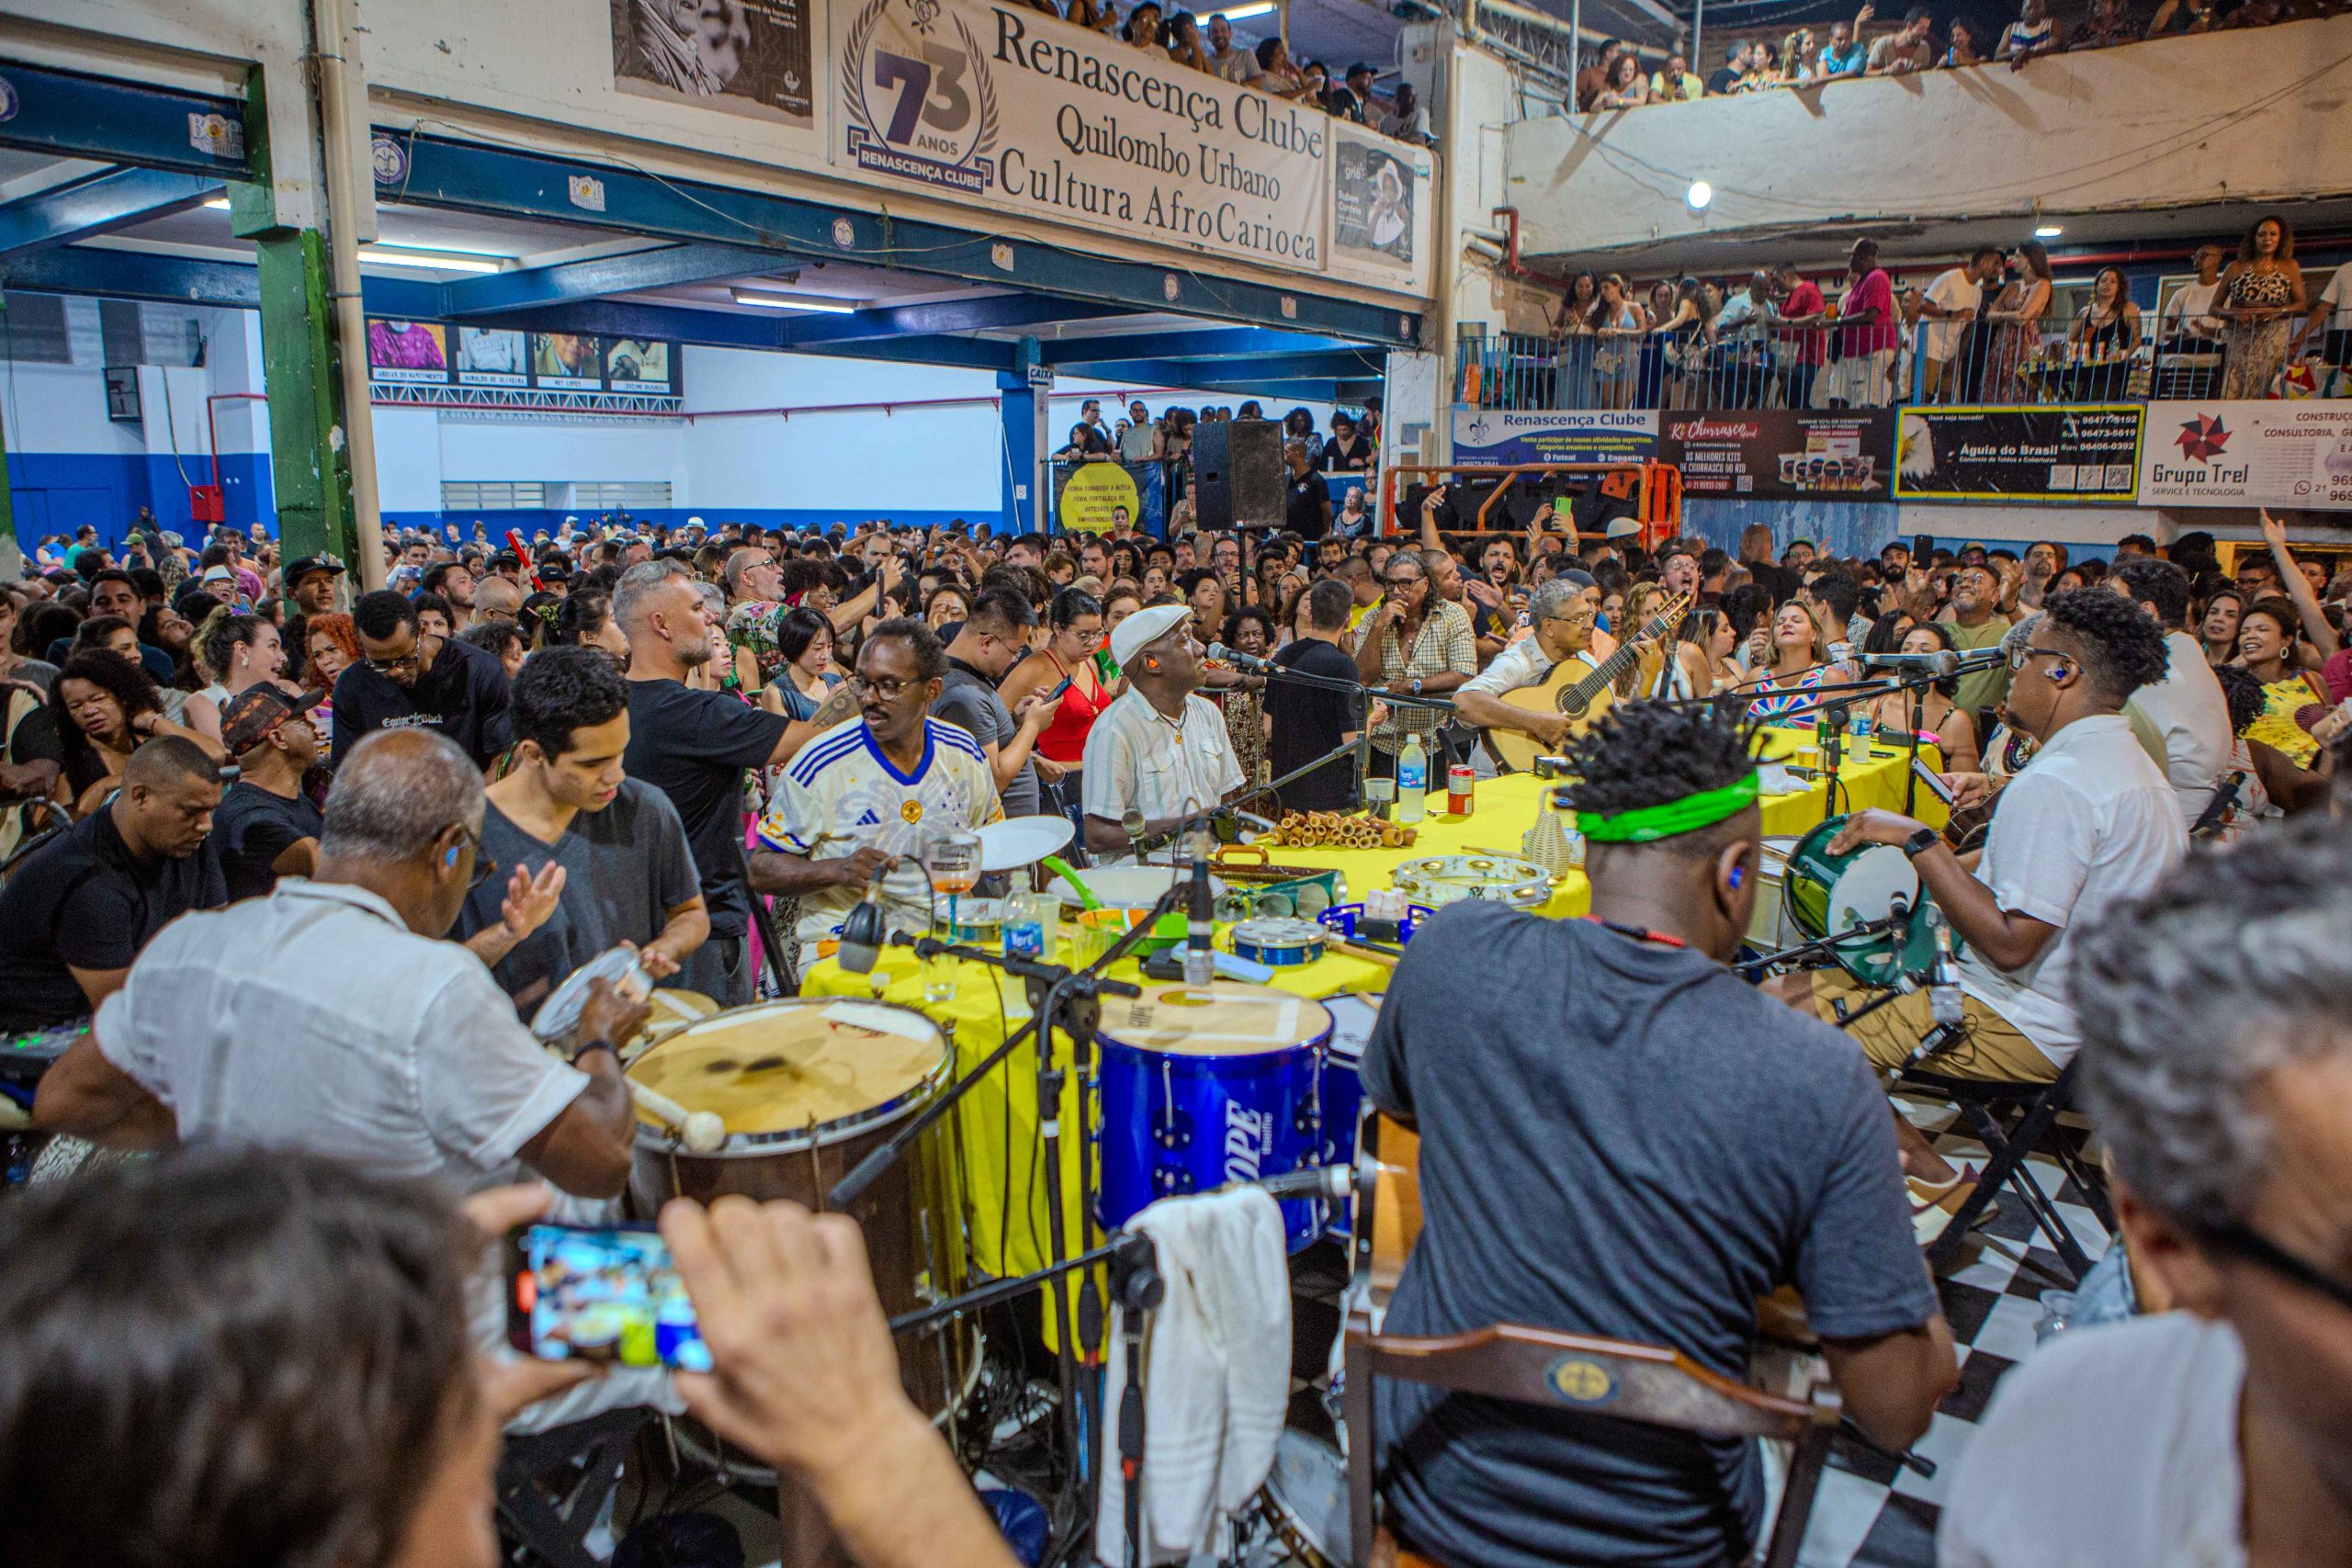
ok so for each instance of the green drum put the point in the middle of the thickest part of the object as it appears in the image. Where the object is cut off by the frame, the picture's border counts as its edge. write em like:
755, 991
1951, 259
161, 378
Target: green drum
1826, 894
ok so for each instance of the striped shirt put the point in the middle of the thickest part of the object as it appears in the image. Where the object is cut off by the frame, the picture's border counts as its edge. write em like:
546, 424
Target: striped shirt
1445, 645
840, 794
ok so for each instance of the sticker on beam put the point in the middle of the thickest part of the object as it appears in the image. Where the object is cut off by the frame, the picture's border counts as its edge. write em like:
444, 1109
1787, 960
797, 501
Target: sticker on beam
1000, 256
1290, 307
391, 159
1169, 287
10, 102
586, 191
844, 233
216, 135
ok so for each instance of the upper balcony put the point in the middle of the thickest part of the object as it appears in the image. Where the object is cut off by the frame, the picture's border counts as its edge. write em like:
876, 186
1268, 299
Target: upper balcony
2203, 128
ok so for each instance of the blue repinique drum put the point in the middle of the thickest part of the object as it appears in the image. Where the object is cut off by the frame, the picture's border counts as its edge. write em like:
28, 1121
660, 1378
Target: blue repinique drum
1200, 1087
1339, 1091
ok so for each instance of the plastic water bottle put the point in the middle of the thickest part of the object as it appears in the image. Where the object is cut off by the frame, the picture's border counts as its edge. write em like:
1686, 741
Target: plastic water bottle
1413, 781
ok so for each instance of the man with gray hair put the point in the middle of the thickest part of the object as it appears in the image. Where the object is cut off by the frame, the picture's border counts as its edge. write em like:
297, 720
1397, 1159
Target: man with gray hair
1560, 614
332, 1015
693, 745
2216, 1015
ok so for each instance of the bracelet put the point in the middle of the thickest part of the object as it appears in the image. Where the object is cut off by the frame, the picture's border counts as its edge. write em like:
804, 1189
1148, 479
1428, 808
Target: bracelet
587, 1046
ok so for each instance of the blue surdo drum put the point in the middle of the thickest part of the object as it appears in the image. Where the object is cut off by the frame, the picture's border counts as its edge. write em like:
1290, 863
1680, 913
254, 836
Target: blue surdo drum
1339, 1090
1205, 1086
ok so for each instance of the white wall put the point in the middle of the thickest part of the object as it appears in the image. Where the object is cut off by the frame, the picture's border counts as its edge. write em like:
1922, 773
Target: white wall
2109, 130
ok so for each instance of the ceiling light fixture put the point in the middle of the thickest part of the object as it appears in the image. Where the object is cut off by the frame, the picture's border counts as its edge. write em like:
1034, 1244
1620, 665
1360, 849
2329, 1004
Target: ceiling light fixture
2048, 232
427, 260
218, 204
1244, 13
816, 302
1700, 193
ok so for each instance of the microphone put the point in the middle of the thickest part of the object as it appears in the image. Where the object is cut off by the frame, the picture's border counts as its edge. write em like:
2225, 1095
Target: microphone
1131, 822
1943, 995
866, 932
1943, 661
1247, 664
1200, 960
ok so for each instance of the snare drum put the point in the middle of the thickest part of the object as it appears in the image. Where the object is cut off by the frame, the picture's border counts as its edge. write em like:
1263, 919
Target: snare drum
1825, 893
1339, 1091
807, 1087
1204, 1087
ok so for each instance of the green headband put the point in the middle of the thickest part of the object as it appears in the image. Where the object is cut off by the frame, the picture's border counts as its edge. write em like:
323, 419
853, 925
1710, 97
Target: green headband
1645, 824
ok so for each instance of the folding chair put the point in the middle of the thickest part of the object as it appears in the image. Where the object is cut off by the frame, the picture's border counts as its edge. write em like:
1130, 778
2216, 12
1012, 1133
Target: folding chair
1566, 1371
552, 1485
2013, 1121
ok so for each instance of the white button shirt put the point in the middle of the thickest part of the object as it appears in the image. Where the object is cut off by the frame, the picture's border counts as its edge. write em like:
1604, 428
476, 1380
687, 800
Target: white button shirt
2188, 709
1138, 756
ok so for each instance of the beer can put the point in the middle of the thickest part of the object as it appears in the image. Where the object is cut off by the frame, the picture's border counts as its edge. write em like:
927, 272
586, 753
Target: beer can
1460, 781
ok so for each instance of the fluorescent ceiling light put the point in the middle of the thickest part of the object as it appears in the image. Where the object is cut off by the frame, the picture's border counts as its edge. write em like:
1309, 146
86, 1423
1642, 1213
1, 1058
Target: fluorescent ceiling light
218, 204
1244, 13
2048, 232
428, 261
818, 302
1700, 193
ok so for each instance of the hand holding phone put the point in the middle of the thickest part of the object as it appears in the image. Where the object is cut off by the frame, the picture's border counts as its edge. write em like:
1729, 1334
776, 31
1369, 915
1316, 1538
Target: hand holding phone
602, 1294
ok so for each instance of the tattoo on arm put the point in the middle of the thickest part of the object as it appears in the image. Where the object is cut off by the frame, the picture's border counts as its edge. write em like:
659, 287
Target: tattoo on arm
841, 705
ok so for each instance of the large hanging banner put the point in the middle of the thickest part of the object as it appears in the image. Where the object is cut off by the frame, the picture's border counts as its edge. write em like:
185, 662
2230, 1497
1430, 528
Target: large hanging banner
2284, 453
1781, 454
1383, 206
1553, 435
1017, 108
2087, 451
748, 57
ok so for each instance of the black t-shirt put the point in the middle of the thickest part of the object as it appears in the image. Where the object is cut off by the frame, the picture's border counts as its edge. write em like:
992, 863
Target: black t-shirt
694, 746
253, 828
1335, 457
464, 696
1722, 81
1679, 1145
82, 901
1306, 505
1308, 722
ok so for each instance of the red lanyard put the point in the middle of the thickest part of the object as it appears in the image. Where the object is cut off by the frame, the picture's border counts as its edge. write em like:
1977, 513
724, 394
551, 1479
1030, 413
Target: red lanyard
1638, 933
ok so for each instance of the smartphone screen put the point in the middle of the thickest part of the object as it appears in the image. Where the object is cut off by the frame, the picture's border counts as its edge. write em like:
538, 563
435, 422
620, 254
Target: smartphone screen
1058, 688
604, 1293
1935, 786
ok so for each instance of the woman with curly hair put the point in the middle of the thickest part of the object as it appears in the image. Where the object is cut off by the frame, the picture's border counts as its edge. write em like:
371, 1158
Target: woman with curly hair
103, 706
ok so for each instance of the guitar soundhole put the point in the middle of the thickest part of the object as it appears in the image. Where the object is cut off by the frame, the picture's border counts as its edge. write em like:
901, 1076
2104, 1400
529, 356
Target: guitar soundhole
1569, 705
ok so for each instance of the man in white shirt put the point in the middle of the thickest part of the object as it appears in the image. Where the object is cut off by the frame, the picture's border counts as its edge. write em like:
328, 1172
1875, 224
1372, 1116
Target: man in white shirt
1952, 303
2088, 823
331, 1016
2218, 1070
1562, 617
873, 791
1161, 749
2188, 322
2187, 707
2334, 307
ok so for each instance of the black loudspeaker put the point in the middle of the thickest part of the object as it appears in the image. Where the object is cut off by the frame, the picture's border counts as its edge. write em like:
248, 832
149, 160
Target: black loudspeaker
1237, 474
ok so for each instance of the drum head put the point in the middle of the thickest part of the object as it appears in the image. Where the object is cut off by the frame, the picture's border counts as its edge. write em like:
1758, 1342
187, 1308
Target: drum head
1228, 1019
788, 1069
560, 1014
1867, 888
1352, 1015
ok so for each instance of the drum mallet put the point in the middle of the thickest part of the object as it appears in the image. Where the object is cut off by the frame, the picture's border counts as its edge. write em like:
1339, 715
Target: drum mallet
701, 1132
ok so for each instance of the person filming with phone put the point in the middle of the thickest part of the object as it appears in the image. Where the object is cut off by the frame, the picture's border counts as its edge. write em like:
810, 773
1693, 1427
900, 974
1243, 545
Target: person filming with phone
333, 1016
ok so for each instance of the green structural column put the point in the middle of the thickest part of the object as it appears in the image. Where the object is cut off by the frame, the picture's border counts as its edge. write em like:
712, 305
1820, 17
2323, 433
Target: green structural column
310, 467
310, 464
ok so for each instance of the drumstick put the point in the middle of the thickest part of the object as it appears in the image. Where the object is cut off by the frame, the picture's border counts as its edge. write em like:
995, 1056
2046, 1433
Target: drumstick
1369, 954
702, 1132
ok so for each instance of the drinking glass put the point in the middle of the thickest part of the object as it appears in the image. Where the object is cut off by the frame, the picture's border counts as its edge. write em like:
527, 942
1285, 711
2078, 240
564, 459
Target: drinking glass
952, 861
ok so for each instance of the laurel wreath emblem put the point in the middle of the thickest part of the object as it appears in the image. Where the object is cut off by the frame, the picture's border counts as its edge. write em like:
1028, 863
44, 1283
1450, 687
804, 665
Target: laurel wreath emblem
854, 51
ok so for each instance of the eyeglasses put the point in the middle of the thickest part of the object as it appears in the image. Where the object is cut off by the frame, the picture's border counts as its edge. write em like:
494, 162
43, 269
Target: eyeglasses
394, 666
1581, 618
889, 690
2018, 660
485, 867
1407, 580
2242, 1241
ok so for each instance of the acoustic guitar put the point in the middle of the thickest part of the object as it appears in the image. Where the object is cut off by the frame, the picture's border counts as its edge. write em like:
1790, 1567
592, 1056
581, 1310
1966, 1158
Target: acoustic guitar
1580, 692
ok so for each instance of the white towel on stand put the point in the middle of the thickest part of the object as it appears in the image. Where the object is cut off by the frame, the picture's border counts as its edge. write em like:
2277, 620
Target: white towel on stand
1216, 1374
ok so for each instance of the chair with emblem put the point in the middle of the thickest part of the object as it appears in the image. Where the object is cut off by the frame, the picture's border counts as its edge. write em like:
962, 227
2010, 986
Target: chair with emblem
1626, 1382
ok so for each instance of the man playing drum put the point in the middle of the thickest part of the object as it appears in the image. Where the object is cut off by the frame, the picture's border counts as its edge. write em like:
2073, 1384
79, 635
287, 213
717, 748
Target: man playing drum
2090, 820
873, 790
1619, 1137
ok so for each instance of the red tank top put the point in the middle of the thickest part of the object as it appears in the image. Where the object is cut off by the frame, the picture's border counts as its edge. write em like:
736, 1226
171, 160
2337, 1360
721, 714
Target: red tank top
1064, 740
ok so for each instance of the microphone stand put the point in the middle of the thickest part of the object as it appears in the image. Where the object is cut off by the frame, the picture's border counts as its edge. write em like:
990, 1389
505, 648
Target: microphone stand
1363, 695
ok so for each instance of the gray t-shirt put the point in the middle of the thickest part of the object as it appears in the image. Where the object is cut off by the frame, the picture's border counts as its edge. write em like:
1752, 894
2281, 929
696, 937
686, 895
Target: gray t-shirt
969, 701
1626, 1140
625, 869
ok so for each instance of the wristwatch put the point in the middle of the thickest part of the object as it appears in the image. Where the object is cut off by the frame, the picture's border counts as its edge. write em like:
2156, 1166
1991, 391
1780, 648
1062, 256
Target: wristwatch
1919, 842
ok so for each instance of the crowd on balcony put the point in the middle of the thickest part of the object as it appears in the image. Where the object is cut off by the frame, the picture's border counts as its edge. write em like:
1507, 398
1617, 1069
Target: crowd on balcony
1351, 446
1620, 78
2250, 325
1181, 37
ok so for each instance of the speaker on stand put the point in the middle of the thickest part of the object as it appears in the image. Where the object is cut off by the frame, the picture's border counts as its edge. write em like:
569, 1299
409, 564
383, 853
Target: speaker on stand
1237, 474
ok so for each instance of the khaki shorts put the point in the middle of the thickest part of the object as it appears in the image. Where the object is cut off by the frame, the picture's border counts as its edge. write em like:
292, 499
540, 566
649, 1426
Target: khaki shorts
1990, 1049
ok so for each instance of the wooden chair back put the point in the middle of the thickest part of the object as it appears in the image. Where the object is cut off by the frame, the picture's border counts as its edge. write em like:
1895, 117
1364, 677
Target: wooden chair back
1648, 1383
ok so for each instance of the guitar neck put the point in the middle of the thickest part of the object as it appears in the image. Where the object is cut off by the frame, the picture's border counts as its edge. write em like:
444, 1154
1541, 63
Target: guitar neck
1605, 674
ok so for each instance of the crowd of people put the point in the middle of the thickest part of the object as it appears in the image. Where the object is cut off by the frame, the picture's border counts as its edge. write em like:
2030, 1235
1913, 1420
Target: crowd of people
1308, 455
1617, 77
310, 886
1988, 329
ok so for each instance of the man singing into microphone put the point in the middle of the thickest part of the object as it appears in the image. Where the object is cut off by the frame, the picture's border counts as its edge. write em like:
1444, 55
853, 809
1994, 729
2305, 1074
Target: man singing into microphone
872, 789
1160, 749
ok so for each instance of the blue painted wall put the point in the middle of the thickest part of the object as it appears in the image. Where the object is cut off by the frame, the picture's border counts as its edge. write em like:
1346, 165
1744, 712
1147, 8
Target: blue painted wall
57, 492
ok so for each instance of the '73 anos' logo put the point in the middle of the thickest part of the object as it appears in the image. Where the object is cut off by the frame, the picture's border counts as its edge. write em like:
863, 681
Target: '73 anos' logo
917, 105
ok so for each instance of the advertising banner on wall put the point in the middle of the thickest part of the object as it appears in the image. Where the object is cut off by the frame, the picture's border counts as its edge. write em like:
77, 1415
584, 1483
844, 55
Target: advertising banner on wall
1383, 195
748, 57
435, 363
2289, 452
1553, 435
1781, 453
2072, 454
1094, 498
1013, 108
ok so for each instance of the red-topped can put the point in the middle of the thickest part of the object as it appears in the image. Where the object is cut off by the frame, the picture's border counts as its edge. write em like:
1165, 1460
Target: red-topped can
1460, 781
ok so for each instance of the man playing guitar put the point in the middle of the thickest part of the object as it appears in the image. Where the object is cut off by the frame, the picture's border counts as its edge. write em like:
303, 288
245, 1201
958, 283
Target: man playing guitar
1619, 1137
1562, 615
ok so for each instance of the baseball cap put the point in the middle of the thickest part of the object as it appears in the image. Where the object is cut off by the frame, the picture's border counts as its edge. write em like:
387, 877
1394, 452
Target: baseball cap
303, 566
1145, 627
1625, 528
254, 714
218, 574
506, 558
